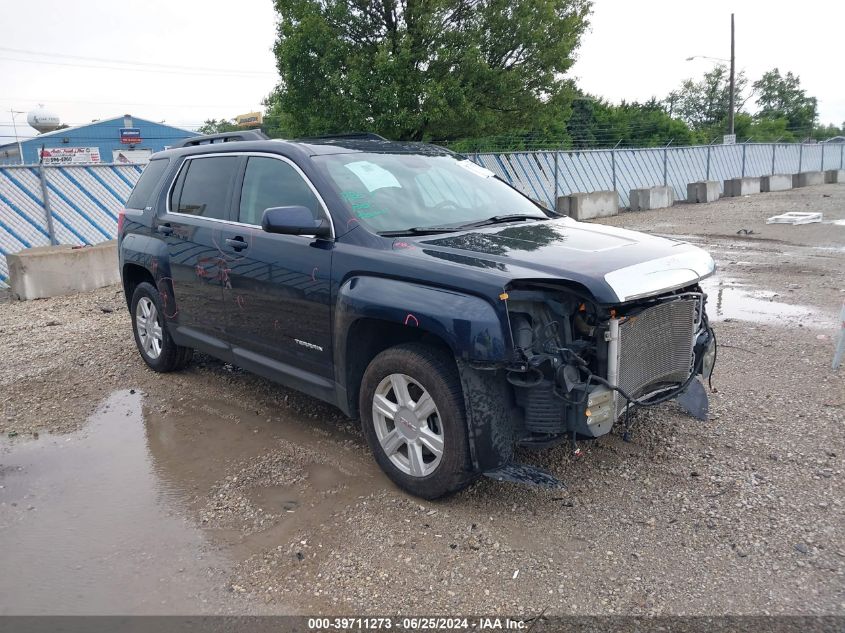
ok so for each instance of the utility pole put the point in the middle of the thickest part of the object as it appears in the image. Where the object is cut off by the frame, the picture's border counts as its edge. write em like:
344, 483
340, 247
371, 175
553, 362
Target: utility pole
733, 80
14, 112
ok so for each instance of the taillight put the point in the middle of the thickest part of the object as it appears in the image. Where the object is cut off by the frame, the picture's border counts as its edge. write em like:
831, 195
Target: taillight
121, 216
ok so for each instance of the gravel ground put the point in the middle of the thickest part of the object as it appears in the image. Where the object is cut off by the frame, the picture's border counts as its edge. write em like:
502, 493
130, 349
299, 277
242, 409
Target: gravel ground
742, 514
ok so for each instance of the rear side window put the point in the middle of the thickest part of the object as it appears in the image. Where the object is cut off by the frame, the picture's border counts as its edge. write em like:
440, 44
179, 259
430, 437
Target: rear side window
204, 187
143, 190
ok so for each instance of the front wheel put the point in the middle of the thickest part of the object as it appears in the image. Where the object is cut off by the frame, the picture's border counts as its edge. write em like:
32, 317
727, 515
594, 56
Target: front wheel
412, 411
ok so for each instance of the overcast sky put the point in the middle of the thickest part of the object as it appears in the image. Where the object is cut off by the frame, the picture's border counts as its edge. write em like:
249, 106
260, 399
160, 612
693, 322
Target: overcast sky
204, 59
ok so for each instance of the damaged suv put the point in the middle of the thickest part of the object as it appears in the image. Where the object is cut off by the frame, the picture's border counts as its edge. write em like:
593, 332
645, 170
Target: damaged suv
414, 290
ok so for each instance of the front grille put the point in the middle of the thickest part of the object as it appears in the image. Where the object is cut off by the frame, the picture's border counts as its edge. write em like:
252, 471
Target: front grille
655, 347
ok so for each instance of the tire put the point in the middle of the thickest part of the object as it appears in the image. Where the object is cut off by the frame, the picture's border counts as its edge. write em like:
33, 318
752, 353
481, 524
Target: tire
406, 445
155, 345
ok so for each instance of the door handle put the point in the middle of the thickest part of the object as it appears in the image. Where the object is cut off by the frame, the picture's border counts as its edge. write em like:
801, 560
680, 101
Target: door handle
236, 243
164, 229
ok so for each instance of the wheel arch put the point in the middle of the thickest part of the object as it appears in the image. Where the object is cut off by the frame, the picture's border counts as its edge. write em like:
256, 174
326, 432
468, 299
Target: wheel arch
373, 314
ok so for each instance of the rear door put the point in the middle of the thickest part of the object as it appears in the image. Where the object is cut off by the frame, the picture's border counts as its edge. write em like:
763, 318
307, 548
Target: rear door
200, 206
279, 295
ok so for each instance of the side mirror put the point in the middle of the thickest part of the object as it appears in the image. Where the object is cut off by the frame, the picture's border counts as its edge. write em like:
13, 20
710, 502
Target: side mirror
294, 220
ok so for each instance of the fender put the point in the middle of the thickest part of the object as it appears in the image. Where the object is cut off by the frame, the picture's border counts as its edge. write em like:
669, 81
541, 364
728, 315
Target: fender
147, 252
469, 325
477, 334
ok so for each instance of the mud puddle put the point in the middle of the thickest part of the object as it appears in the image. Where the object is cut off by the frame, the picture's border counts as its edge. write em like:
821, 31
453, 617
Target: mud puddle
88, 527
733, 300
106, 520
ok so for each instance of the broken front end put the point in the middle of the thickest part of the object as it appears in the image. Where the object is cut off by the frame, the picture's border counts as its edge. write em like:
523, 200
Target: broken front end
580, 366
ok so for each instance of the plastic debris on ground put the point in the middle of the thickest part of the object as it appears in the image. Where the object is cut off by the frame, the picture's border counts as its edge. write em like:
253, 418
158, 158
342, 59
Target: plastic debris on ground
795, 217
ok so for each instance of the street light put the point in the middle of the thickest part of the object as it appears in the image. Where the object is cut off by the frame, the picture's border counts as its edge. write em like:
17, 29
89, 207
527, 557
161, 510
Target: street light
732, 62
717, 59
15, 127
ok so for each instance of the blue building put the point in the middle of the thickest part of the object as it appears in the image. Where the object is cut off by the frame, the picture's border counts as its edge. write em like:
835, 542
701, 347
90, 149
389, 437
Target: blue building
122, 139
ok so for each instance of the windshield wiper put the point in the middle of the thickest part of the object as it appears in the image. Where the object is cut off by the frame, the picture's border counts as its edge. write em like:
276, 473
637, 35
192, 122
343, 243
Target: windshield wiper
429, 230
419, 230
498, 219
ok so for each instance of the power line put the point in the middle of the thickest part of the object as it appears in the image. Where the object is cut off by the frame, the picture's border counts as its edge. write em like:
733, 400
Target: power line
142, 70
135, 63
123, 103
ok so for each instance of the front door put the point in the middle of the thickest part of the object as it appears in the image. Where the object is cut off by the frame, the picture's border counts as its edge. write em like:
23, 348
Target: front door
200, 205
279, 293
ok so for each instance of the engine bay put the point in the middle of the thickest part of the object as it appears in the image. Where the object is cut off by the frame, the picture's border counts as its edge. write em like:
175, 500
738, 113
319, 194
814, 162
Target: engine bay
578, 366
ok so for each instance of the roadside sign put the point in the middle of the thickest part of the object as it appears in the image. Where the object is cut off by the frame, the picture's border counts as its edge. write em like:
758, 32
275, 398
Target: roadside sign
130, 135
729, 139
70, 155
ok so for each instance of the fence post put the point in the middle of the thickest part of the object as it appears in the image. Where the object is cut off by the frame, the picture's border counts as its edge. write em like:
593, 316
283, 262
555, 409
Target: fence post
556, 172
743, 159
666, 163
709, 147
800, 157
823, 144
45, 195
774, 149
842, 156
613, 162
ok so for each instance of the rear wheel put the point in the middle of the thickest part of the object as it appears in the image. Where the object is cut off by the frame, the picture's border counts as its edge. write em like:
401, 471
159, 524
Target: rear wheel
413, 417
151, 336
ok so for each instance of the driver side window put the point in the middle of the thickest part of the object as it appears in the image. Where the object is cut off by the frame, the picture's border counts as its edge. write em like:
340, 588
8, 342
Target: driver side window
270, 182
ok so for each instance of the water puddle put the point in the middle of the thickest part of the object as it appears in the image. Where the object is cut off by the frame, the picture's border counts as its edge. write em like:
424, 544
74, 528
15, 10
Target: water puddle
730, 299
106, 520
89, 528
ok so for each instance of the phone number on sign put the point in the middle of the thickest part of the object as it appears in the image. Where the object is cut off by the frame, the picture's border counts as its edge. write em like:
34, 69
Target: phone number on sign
411, 624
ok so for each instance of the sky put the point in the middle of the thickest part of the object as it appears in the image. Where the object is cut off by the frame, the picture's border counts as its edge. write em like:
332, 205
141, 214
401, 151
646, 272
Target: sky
186, 61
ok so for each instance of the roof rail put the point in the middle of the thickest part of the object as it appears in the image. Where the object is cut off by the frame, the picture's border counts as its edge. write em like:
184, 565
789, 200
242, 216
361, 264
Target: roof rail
345, 135
223, 137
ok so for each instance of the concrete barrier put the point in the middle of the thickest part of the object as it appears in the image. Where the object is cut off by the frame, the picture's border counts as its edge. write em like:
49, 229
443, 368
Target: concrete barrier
651, 198
807, 179
48, 271
776, 182
703, 191
833, 176
736, 187
586, 206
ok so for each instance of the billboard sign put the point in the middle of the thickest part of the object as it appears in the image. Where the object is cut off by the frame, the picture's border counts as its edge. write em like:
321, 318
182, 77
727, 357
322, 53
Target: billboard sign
70, 155
250, 119
130, 135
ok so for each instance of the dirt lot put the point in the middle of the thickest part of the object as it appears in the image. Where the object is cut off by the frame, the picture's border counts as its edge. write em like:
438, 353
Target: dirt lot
214, 491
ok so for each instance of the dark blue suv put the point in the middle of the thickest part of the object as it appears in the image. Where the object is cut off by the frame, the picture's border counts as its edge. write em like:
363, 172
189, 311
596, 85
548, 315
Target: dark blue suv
411, 288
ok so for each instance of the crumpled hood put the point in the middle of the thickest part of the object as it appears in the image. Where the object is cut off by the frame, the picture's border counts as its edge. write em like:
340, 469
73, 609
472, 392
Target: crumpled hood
615, 265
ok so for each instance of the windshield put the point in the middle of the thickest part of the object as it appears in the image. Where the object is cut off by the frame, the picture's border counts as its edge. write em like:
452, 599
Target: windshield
398, 192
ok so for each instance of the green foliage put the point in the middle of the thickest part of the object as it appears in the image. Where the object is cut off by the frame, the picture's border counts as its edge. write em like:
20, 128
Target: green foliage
704, 105
781, 97
213, 126
822, 132
441, 69
581, 121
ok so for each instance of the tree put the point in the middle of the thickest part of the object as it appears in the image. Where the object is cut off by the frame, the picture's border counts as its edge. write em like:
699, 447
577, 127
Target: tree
705, 104
441, 69
781, 97
213, 126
